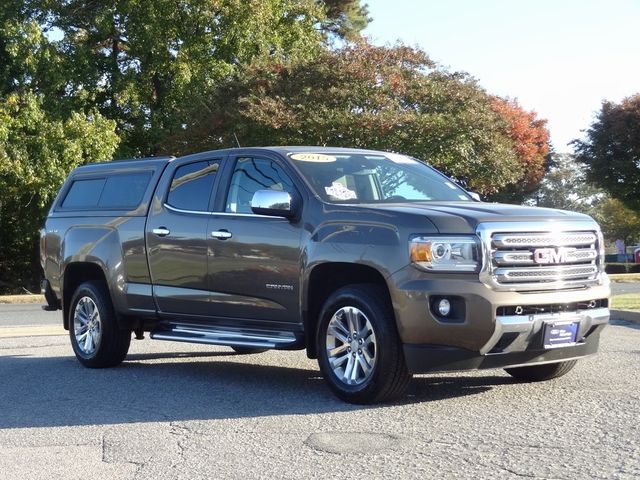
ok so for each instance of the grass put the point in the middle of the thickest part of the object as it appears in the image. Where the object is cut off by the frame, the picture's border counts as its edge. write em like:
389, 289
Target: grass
14, 299
629, 301
624, 277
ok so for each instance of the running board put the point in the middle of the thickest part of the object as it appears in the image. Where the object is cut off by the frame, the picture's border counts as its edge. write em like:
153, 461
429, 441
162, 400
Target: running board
229, 337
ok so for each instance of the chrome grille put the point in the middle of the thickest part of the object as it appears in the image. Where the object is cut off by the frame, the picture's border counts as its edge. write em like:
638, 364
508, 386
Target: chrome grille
541, 260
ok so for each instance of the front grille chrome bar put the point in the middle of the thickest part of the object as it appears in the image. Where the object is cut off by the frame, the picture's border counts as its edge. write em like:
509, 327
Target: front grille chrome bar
545, 274
519, 240
541, 256
526, 258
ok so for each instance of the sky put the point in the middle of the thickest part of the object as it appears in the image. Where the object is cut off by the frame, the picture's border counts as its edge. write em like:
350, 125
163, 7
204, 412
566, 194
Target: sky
560, 58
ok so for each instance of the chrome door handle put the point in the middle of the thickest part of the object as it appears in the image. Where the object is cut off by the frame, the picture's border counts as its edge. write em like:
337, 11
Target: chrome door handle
221, 234
161, 231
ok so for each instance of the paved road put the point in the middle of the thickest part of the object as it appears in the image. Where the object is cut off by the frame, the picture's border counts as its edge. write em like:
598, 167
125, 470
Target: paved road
180, 411
619, 288
26, 315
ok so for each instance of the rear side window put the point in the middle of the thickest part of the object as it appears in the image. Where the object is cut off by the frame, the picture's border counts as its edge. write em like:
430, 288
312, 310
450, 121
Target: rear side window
84, 194
124, 190
192, 185
114, 192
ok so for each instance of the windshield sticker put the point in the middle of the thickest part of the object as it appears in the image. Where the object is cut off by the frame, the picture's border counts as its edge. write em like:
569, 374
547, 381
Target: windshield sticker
340, 192
451, 185
397, 158
313, 157
463, 197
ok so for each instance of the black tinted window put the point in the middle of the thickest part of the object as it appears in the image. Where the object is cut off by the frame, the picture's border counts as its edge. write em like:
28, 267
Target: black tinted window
124, 191
84, 193
251, 175
191, 186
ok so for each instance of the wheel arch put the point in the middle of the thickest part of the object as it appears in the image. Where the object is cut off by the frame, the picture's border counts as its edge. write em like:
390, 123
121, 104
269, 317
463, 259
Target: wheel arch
76, 273
326, 278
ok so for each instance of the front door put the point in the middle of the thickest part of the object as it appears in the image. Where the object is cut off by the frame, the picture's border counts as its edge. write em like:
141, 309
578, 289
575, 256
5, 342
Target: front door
254, 260
176, 235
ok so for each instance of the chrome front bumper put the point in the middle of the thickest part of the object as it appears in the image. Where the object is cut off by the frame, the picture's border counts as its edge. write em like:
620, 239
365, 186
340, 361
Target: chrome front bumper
527, 329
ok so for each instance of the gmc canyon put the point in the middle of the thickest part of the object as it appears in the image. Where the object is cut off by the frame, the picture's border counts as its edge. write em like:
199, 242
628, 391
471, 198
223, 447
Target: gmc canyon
374, 262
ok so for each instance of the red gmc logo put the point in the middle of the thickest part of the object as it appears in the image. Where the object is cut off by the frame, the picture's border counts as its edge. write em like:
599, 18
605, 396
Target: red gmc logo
552, 255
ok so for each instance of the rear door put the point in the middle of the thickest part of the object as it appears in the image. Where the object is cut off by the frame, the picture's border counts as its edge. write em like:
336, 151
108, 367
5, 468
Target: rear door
176, 236
254, 260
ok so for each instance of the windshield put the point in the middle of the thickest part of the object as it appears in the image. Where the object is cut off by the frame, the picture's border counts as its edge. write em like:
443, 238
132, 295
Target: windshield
374, 178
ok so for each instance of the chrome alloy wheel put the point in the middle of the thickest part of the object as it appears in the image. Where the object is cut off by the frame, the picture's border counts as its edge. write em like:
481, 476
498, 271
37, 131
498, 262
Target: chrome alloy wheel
351, 346
87, 325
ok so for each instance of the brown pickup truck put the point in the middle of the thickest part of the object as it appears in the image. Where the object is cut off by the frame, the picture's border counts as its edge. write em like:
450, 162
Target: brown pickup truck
375, 263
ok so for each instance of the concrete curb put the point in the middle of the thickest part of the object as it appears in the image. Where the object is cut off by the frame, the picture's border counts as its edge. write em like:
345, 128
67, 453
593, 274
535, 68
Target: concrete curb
626, 315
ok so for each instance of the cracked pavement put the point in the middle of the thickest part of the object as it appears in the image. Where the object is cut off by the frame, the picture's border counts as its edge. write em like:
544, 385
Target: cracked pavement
181, 411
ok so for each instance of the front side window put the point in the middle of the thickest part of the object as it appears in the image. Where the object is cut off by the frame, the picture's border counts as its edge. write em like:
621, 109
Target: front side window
191, 186
374, 178
251, 175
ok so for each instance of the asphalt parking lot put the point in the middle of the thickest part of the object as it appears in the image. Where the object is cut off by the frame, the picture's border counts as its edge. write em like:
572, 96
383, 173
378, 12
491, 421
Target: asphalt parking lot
191, 411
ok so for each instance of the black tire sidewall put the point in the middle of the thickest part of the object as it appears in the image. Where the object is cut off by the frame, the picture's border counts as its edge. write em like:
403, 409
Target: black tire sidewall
112, 340
381, 317
542, 373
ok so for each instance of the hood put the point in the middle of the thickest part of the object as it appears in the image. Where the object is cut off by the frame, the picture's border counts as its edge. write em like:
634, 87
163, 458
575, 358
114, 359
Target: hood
464, 217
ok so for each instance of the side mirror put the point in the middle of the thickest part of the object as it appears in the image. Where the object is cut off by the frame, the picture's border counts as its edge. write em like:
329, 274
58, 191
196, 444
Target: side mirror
475, 196
275, 203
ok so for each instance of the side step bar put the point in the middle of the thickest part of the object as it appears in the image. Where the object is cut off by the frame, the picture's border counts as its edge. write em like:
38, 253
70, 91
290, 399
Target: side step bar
230, 337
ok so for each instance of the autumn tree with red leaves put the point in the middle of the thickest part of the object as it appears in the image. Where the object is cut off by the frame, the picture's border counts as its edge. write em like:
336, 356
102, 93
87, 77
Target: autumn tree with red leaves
530, 142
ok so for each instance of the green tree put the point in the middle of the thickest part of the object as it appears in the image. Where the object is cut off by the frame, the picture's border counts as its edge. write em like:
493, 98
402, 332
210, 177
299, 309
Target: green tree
39, 143
611, 150
148, 65
345, 18
565, 187
36, 155
617, 221
363, 96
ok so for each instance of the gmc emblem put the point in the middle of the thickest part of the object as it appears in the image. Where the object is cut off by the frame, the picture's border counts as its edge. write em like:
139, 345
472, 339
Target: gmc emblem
552, 255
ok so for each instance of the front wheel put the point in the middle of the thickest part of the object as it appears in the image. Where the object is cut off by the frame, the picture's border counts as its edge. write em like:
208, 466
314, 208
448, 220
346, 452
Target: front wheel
359, 351
539, 373
95, 337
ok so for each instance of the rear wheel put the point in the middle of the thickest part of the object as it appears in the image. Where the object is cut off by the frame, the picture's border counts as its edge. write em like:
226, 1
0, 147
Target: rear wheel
248, 350
539, 373
359, 351
95, 337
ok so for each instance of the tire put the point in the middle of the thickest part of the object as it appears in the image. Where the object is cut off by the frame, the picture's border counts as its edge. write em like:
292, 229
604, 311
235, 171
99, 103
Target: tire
364, 307
102, 344
540, 373
248, 350
50, 297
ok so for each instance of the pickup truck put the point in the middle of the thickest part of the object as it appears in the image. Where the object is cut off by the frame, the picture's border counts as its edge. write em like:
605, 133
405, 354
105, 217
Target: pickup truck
374, 262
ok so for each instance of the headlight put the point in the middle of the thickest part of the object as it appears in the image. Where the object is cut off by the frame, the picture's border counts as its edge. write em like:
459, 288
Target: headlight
452, 254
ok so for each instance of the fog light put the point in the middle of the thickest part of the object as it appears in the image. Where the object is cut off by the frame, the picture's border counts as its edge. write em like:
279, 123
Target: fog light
444, 307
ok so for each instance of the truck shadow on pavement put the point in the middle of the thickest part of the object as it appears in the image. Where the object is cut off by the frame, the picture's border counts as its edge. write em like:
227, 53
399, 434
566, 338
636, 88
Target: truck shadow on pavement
58, 391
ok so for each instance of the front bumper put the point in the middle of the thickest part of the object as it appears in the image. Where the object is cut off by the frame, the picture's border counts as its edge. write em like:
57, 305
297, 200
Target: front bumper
434, 358
483, 337
438, 358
